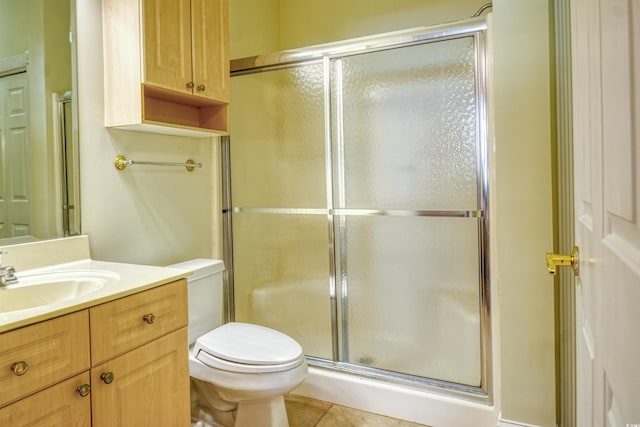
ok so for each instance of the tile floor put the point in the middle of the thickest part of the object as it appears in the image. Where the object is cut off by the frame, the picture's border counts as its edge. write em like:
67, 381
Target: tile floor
306, 412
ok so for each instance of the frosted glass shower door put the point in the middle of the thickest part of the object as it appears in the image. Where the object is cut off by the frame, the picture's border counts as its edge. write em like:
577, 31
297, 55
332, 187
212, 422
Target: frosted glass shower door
358, 193
279, 200
408, 199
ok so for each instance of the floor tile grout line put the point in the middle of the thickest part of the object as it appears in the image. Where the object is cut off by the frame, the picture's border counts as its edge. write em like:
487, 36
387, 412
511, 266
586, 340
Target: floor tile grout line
323, 415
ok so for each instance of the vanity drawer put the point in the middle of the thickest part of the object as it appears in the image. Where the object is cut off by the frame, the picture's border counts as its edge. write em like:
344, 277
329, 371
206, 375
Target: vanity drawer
121, 325
37, 356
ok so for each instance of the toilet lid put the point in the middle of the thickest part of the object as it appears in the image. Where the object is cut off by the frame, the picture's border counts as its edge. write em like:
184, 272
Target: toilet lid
249, 344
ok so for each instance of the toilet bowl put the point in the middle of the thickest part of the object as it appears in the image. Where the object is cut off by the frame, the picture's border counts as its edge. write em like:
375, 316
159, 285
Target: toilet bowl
239, 371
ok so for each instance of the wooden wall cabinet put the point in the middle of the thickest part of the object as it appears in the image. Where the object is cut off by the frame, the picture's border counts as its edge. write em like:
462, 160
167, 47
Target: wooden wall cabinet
167, 66
138, 374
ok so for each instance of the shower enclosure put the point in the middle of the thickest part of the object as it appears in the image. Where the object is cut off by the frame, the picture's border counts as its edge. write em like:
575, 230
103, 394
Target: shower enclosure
357, 204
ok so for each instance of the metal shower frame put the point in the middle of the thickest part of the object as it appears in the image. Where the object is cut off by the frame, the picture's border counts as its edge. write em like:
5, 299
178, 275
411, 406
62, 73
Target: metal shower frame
474, 27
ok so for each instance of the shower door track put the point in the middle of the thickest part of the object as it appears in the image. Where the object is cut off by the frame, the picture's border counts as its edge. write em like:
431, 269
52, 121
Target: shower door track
474, 27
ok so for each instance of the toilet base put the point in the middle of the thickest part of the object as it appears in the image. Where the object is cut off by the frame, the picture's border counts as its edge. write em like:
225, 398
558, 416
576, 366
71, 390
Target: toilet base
262, 413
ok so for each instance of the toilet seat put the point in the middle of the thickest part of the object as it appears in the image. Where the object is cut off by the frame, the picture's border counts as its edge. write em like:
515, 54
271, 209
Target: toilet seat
247, 348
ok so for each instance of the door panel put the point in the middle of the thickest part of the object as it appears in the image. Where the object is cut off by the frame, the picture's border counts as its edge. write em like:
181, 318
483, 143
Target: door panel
15, 181
404, 294
606, 117
280, 197
167, 43
210, 48
406, 142
408, 127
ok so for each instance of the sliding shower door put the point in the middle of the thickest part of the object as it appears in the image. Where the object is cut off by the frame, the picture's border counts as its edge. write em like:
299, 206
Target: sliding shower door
358, 192
278, 181
408, 201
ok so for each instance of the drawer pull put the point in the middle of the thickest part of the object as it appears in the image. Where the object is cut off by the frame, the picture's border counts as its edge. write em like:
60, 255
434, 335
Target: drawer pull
83, 390
149, 318
201, 87
190, 85
20, 368
107, 377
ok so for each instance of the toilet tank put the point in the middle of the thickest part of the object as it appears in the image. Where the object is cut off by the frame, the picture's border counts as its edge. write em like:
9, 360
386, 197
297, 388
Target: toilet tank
205, 295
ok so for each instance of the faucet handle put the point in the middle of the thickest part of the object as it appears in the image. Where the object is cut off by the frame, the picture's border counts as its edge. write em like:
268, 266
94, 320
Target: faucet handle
8, 276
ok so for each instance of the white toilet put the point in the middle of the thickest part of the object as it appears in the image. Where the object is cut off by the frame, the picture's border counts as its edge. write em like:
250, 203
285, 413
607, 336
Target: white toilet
238, 370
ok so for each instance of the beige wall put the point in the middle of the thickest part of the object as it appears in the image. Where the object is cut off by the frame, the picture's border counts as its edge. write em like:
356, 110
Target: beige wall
304, 23
158, 216
259, 27
523, 215
144, 214
258, 17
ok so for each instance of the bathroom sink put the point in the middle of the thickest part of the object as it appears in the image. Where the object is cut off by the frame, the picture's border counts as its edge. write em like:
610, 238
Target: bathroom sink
40, 289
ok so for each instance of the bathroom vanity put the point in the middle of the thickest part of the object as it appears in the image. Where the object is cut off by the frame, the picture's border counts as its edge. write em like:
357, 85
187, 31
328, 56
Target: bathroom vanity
116, 356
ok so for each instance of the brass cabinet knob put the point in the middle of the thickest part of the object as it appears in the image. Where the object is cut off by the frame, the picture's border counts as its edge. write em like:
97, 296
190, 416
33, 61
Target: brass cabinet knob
572, 260
83, 390
149, 318
20, 368
107, 377
201, 87
190, 85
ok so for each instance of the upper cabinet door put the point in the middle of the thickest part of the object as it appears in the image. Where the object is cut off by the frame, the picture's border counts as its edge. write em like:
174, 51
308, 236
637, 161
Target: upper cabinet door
210, 37
167, 44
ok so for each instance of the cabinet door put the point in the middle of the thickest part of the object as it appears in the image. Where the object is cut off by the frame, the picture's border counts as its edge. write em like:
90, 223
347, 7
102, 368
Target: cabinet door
149, 386
60, 405
211, 49
167, 44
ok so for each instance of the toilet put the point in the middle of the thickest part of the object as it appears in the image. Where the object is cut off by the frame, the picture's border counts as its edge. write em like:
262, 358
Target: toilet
239, 371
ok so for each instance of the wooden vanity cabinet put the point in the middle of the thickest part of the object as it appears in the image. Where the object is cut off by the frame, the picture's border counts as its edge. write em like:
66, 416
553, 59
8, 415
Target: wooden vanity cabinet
122, 363
167, 65
140, 367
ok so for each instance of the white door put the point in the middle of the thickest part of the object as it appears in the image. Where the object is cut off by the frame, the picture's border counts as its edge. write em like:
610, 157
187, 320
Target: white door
15, 157
606, 87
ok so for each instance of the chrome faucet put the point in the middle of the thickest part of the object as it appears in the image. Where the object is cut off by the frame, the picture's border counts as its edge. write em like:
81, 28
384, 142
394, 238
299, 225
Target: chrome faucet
7, 273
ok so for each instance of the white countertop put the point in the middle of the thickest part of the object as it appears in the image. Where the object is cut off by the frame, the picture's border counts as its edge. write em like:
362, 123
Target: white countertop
133, 278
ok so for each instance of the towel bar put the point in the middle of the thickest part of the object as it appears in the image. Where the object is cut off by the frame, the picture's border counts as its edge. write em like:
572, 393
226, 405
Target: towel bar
121, 162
